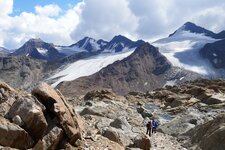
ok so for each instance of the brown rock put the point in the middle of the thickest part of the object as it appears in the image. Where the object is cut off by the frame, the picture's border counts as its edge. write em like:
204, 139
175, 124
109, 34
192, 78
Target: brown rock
102, 94
12, 135
55, 102
142, 142
31, 112
51, 140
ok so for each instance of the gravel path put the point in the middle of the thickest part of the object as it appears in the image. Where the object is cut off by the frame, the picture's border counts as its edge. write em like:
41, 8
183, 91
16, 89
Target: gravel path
160, 141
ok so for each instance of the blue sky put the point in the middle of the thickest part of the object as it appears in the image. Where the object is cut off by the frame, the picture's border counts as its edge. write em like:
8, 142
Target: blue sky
29, 5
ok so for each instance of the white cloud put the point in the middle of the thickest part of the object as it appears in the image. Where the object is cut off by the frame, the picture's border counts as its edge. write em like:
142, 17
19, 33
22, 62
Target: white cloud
6, 7
104, 19
51, 10
18, 29
144, 19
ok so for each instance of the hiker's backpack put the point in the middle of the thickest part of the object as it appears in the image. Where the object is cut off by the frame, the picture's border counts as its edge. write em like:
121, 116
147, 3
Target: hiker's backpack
156, 124
148, 124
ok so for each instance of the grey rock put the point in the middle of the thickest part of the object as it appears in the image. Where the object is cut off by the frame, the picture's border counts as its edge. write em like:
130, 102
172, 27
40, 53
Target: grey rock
121, 123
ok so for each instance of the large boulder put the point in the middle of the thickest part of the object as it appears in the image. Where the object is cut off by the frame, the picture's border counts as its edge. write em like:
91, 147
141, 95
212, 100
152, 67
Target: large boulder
55, 103
11, 135
116, 135
141, 141
215, 99
30, 111
50, 140
209, 135
121, 123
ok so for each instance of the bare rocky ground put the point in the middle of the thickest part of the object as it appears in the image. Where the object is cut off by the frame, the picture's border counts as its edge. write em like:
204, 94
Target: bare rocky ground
191, 116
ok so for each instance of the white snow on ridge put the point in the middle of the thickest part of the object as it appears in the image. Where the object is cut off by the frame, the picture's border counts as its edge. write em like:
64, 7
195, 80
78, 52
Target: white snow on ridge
89, 66
182, 50
69, 50
42, 51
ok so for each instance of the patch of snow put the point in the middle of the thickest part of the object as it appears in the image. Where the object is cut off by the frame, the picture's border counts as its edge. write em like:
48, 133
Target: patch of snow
146, 83
69, 50
171, 82
94, 45
42, 51
181, 78
214, 54
89, 66
182, 50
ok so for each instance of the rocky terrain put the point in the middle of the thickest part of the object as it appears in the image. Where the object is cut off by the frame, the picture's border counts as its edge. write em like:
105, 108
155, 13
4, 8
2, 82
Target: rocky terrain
191, 116
143, 70
22, 72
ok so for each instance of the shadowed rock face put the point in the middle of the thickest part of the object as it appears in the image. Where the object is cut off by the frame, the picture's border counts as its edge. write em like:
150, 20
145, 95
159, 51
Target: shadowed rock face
143, 70
215, 53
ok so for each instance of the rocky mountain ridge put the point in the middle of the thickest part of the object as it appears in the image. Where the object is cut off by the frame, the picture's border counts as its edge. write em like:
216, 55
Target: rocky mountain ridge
145, 69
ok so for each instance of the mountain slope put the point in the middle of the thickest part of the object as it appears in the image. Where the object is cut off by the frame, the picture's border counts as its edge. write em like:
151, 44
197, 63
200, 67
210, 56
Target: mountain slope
215, 53
21, 71
38, 49
143, 70
4, 52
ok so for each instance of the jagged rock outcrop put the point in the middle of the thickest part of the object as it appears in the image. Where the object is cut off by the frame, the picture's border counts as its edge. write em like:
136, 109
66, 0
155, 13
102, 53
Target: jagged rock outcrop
56, 104
41, 121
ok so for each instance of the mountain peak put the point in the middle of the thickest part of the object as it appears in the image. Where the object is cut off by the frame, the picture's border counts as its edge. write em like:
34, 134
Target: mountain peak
193, 28
35, 40
120, 38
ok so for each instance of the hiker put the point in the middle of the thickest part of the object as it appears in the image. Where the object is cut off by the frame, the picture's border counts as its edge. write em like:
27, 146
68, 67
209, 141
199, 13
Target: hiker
149, 127
155, 125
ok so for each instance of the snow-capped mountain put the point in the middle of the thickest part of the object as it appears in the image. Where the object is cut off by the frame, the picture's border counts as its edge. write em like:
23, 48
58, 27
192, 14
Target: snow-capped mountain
38, 49
86, 44
120, 43
93, 55
144, 69
117, 44
193, 28
182, 49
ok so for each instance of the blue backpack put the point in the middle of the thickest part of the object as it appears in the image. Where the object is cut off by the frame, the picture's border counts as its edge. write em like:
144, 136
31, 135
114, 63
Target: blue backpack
156, 124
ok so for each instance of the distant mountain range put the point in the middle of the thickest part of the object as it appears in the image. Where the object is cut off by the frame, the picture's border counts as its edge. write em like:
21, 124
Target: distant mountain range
120, 64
